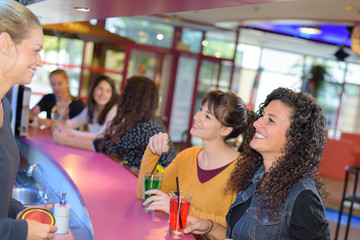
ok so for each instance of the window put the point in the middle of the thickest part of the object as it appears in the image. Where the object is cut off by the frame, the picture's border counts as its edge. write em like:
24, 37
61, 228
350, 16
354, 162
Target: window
141, 31
219, 44
192, 38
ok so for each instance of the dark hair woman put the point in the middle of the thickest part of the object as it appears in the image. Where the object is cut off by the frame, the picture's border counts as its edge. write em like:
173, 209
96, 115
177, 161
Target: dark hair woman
203, 171
279, 192
127, 135
100, 110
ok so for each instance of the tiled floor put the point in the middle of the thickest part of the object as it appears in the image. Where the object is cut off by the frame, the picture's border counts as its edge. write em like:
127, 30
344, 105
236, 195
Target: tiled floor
333, 204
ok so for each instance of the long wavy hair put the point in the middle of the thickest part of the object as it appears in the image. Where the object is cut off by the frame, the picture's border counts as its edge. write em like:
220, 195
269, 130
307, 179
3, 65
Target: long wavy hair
138, 103
92, 103
230, 111
306, 137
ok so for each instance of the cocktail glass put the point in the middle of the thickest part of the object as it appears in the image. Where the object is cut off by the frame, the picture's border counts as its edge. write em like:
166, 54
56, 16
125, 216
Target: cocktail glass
179, 208
151, 182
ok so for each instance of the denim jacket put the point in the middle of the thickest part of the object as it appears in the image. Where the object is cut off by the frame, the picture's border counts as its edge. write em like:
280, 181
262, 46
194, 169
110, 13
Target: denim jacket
251, 226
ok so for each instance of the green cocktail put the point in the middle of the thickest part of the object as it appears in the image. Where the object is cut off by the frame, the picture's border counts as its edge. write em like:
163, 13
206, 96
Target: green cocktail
151, 182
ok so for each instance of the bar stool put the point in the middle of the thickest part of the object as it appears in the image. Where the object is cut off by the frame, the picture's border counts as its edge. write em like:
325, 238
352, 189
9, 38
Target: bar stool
352, 198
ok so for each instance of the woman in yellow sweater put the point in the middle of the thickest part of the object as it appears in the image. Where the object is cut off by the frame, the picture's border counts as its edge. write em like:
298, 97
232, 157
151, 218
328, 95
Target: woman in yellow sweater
202, 171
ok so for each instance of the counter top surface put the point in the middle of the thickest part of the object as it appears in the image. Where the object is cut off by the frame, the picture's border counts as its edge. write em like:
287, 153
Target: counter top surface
109, 192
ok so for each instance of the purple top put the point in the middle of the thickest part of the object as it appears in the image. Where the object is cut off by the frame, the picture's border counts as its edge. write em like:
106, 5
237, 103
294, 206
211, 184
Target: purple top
206, 175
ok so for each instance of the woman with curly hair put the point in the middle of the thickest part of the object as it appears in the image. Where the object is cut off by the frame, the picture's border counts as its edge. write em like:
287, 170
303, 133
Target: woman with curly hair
279, 192
203, 171
127, 135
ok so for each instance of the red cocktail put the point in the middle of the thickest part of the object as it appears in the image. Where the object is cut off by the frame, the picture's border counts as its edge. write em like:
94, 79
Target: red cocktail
178, 213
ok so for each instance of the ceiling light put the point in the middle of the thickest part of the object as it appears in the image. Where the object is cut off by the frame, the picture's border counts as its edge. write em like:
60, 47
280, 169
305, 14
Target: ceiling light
204, 43
310, 30
160, 36
82, 9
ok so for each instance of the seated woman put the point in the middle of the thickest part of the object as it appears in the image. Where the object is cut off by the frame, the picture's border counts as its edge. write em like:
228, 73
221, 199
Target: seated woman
279, 191
65, 105
100, 110
127, 135
202, 171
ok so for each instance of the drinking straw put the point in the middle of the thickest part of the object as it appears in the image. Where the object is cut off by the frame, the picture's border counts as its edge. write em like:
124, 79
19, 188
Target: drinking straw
185, 189
179, 202
158, 160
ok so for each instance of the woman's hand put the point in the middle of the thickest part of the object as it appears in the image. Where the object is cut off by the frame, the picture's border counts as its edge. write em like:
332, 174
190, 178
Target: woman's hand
38, 230
55, 123
61, 135
44, 123
158, 143
205, 226
161, 201
198, 225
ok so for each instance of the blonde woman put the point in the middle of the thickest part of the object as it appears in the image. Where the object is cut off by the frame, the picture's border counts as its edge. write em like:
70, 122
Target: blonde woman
61, 101
21, 40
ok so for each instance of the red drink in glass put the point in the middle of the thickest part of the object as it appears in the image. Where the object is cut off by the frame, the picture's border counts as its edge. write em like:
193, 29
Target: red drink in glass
176, 228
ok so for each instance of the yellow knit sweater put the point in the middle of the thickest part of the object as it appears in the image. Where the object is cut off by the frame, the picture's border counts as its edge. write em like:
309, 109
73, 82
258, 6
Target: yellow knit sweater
210, 200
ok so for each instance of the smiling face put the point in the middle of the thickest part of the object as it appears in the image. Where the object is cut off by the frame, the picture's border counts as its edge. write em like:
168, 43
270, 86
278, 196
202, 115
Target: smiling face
270, 137
23, 58
59, 84
206, 126
102, 93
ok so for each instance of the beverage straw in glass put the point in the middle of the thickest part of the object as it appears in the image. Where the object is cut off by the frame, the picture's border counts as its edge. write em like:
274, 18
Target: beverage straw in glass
179, 202
158, 160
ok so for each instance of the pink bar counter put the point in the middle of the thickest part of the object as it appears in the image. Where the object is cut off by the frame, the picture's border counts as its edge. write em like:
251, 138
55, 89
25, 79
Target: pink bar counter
108, 191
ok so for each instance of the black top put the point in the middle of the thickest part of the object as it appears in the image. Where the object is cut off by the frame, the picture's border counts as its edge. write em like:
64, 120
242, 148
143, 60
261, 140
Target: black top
131, 146
308, 220
49, 101
9, 164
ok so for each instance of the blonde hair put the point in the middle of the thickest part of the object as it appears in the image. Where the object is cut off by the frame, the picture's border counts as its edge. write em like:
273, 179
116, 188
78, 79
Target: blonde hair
60, 72
17, 20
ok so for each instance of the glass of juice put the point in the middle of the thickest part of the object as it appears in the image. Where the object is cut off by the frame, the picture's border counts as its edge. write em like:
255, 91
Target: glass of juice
179, 208
151, 182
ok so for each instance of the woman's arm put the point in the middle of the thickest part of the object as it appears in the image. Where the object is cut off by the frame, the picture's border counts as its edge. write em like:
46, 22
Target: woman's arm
205, 226
109, 117
79, 120
205, 215
308, 220
34, 112
147, 164
65, 138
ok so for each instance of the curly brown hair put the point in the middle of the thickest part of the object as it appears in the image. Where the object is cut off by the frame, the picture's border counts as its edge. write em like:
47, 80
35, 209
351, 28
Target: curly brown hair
306, 137
138, 103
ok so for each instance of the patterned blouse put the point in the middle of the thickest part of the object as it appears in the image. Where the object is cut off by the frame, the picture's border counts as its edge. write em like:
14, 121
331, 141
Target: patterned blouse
131, 146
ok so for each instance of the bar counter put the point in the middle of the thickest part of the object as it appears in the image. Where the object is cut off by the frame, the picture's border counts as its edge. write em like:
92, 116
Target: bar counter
108, 191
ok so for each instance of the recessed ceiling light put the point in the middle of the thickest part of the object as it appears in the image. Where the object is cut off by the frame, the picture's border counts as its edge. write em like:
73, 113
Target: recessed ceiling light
310, 30
82, 9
